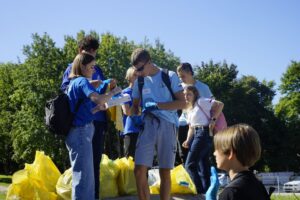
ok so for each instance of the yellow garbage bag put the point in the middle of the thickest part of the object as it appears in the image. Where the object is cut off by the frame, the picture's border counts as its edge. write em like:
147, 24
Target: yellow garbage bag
25, 186
45, 170
109, 172
154, 189
126, 178
154, 181
64, 185
181, 181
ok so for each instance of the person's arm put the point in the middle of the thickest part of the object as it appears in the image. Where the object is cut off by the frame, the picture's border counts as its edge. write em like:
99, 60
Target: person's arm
216, 109
177, 104
134, 110
103, 98
95, 83
65, 79
126, 109
190, 134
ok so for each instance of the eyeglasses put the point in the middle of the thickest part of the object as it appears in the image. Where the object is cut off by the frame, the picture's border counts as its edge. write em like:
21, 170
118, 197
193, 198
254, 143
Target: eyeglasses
141, 68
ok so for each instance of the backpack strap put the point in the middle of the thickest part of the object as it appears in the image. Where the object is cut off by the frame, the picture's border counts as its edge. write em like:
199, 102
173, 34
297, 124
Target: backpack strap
140, 86
206, 115
166, 79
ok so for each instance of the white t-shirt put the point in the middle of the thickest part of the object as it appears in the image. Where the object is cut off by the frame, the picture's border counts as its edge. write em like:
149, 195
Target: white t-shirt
196, 117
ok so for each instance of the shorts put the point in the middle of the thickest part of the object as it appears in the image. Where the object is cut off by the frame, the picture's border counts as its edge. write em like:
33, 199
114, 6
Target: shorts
158, 135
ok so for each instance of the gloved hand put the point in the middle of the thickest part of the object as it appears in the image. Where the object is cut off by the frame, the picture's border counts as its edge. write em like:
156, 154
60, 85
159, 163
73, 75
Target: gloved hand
107, 81
211, 193
137, 121
149, 106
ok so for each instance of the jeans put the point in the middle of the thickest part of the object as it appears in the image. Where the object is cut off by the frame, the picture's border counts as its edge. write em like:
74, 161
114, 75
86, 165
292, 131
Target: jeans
79, 145
130, 144
197, 162
98, 144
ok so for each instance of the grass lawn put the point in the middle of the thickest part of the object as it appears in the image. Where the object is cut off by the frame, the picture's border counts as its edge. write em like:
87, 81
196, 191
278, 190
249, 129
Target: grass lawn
5, 180
285, 197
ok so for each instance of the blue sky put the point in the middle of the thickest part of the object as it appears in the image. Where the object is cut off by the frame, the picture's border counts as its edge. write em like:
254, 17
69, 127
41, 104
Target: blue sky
260, 37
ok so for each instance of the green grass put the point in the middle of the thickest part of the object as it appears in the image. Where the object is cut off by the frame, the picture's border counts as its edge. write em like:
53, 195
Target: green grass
2, 196
285, 197
5, 180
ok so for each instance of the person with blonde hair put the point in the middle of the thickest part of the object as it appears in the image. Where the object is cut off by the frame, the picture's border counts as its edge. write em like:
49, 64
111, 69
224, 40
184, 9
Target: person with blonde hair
83, 97
131, 131
237, 148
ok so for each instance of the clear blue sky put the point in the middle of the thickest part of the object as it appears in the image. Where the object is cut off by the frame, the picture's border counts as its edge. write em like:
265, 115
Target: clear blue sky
260, 37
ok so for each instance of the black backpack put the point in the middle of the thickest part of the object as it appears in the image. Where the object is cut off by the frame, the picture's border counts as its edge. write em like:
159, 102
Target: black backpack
58, 116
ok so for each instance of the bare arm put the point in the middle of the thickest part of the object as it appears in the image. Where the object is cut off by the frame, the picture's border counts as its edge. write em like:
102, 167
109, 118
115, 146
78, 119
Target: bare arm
190, 134
216, 109
126, 109
135, 107
177, 104
103, 98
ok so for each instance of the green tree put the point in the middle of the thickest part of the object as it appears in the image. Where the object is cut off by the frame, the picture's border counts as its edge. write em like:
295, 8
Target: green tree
162, 57
7, 111
37, 80
288, 109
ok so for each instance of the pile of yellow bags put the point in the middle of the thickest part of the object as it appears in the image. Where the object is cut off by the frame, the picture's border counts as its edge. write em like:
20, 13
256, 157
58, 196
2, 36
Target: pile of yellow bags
181, 182
35, 181
42, 180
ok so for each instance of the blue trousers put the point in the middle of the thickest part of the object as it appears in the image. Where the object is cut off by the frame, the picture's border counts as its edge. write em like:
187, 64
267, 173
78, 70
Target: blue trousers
98, 145
79, 144
197, 162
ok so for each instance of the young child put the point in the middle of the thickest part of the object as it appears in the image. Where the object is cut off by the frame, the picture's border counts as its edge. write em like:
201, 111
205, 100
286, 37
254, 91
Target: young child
236, 149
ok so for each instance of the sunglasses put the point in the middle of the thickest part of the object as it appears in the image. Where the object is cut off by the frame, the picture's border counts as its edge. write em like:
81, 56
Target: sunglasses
142, 67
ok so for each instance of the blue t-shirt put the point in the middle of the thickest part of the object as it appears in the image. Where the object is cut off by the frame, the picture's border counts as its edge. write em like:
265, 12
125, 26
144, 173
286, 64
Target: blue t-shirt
80, 89
155, 90
203, 89
129, 126
97, 75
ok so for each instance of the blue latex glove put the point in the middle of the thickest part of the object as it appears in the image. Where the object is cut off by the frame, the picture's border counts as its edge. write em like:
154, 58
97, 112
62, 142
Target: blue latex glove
137, 121
149, 106
107, 81
211, 193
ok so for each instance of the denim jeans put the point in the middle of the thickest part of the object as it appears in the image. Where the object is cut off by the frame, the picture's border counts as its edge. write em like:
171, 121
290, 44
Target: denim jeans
98, 144
197, 162
79, 144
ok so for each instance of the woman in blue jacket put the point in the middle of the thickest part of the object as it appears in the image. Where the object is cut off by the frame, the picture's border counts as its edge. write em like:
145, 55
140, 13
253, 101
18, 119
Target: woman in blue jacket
79, 140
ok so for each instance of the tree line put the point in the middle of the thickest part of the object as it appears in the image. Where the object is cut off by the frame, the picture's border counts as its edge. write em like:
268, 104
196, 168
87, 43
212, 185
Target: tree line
26, 86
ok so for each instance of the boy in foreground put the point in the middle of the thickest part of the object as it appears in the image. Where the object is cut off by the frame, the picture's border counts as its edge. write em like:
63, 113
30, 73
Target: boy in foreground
236, 149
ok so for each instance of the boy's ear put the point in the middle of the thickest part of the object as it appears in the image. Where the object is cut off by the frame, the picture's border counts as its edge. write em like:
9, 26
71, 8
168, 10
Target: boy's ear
231, 155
